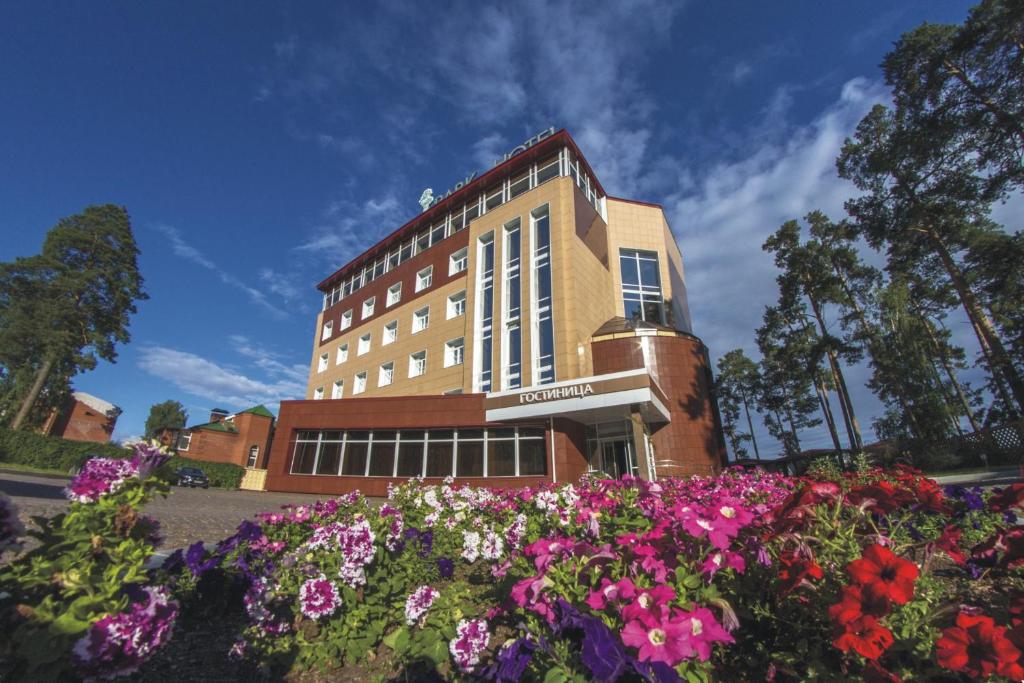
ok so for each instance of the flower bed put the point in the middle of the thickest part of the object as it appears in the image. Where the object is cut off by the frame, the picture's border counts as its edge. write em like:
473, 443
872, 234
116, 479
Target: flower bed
878, 575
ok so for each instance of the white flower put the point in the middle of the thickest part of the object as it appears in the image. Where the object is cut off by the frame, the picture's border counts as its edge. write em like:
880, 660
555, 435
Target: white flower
470, 546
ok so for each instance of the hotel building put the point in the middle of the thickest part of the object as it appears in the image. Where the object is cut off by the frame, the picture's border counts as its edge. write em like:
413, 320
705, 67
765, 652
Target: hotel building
524, 328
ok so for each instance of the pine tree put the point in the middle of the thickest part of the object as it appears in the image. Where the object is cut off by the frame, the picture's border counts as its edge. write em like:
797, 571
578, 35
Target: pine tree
81, 292
736, 387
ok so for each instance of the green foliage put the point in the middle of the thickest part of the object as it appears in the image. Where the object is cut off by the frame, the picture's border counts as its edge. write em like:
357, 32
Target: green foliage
166, 415
63, 455
76, 574
66, 308
222, 475
52, 452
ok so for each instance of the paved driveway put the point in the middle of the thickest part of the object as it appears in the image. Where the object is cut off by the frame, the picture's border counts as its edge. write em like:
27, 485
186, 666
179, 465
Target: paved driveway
186, 515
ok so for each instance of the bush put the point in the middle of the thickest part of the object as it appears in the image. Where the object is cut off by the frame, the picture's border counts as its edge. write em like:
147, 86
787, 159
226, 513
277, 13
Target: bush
52, 452
221, 474
62, 455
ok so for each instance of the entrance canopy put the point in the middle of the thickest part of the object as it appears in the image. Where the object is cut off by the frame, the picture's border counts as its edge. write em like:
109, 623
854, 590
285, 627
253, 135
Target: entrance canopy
599, 398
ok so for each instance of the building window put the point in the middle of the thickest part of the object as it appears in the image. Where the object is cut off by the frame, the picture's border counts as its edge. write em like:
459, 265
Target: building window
360, 384
465, 452
254, 455
394, 294
456, 304
417, 363
386, 374
453, 352
512, 346
346, 319
368, 307
327, 331
458, 261
342, 354
641, 286
390, 333
424, 278
184, 440
339, 389
322, 363
543, 344
364, 344
420, 319
485, 312
318, 394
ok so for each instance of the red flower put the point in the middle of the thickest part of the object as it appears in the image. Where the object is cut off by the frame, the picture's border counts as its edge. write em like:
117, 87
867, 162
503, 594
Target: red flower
1011, 496
865, 636
949, 543
881, 497
794, 571
979, 648
876, 673
883, 575
853, 604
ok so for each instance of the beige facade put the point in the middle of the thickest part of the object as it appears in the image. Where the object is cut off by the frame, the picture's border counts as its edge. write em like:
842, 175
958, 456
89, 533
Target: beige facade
586, 292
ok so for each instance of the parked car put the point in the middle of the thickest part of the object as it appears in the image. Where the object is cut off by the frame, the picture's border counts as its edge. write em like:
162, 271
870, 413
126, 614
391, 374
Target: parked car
191, 476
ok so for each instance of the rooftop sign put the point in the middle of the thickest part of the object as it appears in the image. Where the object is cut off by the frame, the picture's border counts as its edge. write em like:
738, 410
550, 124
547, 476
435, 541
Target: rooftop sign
429, 199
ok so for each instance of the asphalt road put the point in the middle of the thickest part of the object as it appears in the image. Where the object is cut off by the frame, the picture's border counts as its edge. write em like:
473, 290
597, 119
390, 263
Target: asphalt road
186, 515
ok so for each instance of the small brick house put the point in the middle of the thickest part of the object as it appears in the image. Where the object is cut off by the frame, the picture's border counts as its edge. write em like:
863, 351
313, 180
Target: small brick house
84, 418
242, 439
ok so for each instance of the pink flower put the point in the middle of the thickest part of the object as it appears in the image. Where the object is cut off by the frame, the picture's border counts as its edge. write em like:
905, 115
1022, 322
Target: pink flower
705, 631
659, 640
319, 597
471, 638
418, 603
648, 602
723, 559
623, 589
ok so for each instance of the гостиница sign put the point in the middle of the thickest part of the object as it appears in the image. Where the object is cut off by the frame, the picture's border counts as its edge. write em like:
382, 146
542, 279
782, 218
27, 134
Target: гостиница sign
557, 393
428, 198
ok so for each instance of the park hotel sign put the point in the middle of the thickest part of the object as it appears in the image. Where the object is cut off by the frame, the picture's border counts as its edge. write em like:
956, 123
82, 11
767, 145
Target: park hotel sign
428, 198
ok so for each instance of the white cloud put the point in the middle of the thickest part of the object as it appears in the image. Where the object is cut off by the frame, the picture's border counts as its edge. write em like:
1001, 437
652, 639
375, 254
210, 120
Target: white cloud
269, 361
281, 284
725, 216
207, 379
186, 251
348, 228
489, 148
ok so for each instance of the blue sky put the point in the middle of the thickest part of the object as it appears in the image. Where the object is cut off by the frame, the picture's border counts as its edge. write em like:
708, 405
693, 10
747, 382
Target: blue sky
259, 146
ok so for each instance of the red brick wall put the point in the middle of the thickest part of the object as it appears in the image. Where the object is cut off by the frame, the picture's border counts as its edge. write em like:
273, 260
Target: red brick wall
230, 447
405, 273
692, 443
397, 412
82, 423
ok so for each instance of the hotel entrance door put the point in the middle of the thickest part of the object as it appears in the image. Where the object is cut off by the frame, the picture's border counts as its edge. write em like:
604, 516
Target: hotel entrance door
610, 449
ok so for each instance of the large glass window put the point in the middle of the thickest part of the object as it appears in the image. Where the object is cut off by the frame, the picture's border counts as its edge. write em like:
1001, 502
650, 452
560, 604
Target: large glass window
468, 452
382, 454
544, 334
641, 286
485, 317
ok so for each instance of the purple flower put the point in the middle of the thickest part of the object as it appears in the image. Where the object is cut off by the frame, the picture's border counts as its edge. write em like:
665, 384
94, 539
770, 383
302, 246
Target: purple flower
10, 526
445, 567
194, 559
470, 641
418, 603
98, 477
118, 644
148, 458
174, 562
319, 597
511, 661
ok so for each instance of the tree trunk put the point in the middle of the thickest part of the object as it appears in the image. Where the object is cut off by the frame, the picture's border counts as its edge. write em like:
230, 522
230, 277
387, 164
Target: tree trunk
826, 410
750, 424
1000, 361
944, 359
849, 417
33, 393
872, 340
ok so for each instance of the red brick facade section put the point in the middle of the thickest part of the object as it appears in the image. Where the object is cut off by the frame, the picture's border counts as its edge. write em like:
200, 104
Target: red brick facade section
398, 412
692, 443
436, 256
79, 422
231, 447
